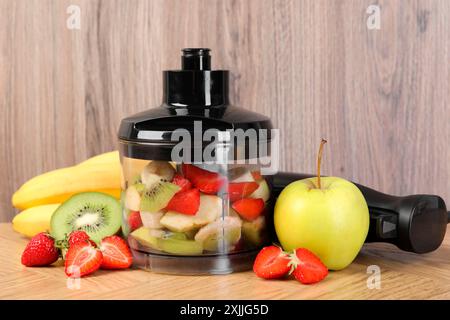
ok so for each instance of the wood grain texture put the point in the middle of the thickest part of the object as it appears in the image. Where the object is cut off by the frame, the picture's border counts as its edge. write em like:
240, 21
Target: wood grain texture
381, 97
403, 276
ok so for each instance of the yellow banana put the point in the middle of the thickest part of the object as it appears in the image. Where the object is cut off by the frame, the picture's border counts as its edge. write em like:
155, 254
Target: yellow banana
34, 220
104, 158
58, 185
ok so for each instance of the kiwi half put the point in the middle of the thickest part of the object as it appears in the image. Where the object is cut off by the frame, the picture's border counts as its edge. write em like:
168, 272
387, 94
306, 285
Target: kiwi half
158, 196
98, 214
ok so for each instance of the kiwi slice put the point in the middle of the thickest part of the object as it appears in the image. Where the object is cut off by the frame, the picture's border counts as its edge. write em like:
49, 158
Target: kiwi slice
157, 197
98, 214
145, 238
178, 246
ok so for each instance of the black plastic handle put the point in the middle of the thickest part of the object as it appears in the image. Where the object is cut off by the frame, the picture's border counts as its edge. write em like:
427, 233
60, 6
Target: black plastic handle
415, 223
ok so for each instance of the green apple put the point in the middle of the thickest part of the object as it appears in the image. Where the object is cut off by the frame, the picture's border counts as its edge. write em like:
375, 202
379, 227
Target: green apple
328, 216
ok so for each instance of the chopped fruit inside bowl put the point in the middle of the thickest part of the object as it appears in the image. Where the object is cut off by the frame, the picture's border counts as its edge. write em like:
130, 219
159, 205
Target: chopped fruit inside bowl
239, 190
209, 210
221, 234
158, 196
206, 181
186, 202
182, 182
183, 209
257, 175
249, 209
134, 220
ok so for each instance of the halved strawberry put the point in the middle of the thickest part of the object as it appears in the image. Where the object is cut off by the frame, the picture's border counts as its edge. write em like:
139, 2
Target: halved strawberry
306, 266
206, 181
239, 190
182, 182
134, 220
186, 202
271, 263
249, 209
82, 259
116, 253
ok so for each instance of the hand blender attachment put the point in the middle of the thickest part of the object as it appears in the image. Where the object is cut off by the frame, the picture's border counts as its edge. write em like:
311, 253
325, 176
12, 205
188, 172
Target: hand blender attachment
190, 223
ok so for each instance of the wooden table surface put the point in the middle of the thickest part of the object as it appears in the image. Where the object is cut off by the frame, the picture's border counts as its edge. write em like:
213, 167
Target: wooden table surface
403, 276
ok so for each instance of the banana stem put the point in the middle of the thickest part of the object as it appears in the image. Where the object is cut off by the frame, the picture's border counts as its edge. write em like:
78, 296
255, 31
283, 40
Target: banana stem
319, 161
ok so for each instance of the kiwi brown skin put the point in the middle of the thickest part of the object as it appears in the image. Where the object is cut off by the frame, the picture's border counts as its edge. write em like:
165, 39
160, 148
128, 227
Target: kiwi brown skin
96, 213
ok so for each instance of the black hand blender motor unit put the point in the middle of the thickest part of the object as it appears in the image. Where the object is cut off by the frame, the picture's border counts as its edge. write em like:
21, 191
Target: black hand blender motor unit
215, 240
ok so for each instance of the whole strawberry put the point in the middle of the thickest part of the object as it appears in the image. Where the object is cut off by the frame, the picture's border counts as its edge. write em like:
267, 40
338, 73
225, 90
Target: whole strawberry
40, 251
79, 236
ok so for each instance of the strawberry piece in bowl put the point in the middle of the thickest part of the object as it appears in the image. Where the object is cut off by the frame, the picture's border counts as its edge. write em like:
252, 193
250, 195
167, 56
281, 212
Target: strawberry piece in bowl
239, 190
182, 182
206, 181
134, 220
249, 209
186, 202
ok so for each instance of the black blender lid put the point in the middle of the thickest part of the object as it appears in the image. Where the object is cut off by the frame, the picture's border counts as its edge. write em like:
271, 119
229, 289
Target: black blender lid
195, 94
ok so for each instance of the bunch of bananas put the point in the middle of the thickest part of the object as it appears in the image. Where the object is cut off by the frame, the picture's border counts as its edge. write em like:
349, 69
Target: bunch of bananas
39, 197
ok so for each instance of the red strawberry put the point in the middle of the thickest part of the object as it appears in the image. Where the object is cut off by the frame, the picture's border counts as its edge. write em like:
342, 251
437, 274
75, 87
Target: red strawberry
239, 190
182, 182
271, 263
307, 267
40, 251
256, 175
186, 202
134, 220
206, 181
79, 236
82, 259
116, 253
249, 209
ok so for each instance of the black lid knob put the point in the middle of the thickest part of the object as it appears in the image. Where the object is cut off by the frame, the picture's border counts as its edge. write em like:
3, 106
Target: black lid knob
195, 85
196, 59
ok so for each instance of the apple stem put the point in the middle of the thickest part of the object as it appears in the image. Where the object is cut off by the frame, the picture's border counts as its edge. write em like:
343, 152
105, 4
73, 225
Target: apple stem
319, 161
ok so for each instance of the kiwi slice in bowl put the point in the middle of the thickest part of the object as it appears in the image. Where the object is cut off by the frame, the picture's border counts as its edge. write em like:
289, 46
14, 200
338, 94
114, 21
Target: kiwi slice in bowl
158, 196
98, 214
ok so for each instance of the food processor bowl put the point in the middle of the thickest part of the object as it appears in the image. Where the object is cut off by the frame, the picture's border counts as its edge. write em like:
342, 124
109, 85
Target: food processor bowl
194, 194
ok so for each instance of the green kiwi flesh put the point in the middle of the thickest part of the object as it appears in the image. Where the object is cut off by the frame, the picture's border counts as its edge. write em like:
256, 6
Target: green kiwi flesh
157, 197
171, 242
180, 247
98, 214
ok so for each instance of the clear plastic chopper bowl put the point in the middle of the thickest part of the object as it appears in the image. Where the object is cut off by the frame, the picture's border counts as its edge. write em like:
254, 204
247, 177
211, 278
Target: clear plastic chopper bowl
194, 195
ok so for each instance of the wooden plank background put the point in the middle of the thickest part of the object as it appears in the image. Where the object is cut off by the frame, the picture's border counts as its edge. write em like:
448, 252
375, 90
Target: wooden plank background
381, 97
